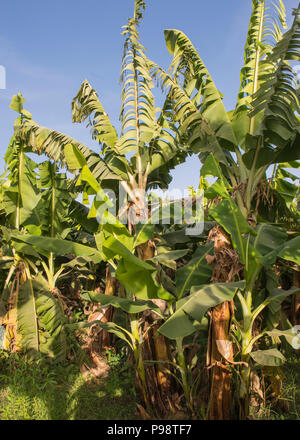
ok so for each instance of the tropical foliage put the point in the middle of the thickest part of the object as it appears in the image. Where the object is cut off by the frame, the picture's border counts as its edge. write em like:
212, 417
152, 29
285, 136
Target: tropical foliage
81, 274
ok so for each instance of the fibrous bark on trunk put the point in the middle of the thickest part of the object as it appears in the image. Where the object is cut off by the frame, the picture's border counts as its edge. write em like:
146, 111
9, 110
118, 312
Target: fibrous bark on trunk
155, 348
109, 312
220, 349
98, 340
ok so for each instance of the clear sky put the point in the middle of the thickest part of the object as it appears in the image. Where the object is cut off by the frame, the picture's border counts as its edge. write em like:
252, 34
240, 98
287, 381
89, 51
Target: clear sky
49, 47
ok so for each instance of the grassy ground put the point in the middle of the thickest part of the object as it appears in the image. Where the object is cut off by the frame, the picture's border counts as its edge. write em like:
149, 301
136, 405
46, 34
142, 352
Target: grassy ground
39, 391
287, 407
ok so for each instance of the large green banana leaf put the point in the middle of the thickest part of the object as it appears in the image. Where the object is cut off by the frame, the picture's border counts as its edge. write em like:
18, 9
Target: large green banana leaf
57, 246
193, 308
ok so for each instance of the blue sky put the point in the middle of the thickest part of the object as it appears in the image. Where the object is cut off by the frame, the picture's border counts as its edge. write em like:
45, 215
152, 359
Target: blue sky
48, 48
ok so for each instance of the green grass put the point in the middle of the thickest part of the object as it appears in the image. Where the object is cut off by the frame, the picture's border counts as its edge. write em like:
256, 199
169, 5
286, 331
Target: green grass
287, 407
41, 391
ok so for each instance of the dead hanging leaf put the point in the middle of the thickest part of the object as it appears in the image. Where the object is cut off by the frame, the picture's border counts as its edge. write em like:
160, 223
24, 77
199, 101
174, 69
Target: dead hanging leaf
226, 264
171, 407
146, 250
257, 394
177, 411
12, 339
142, 412
219, 237
225, 348
99, 314
161, 303
92, 343
209, 258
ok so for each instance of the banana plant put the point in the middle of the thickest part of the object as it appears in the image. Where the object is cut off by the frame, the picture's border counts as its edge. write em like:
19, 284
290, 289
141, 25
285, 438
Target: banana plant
264, 127
262, 130
139, 282
36, 201
54, 211
36, 314
19, 198
258, 248
21, 195
34, 321
284, 182
140, 158
151, 140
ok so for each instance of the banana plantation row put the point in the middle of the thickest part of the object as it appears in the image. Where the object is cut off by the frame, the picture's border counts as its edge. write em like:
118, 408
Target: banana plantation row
215, 308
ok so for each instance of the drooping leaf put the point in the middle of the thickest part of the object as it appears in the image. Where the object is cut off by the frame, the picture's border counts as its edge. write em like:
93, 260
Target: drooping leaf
194, 307
57, 246
291, 250
109, 327
169, 258
126, 305
277, 99
268, 238
85, 105
270, 358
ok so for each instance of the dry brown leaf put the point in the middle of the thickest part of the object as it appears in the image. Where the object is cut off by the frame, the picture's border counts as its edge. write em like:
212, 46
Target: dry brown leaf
209, 258
142, 412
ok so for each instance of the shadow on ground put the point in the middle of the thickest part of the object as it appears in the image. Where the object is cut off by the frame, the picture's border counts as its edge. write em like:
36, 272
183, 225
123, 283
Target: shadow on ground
42, 391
